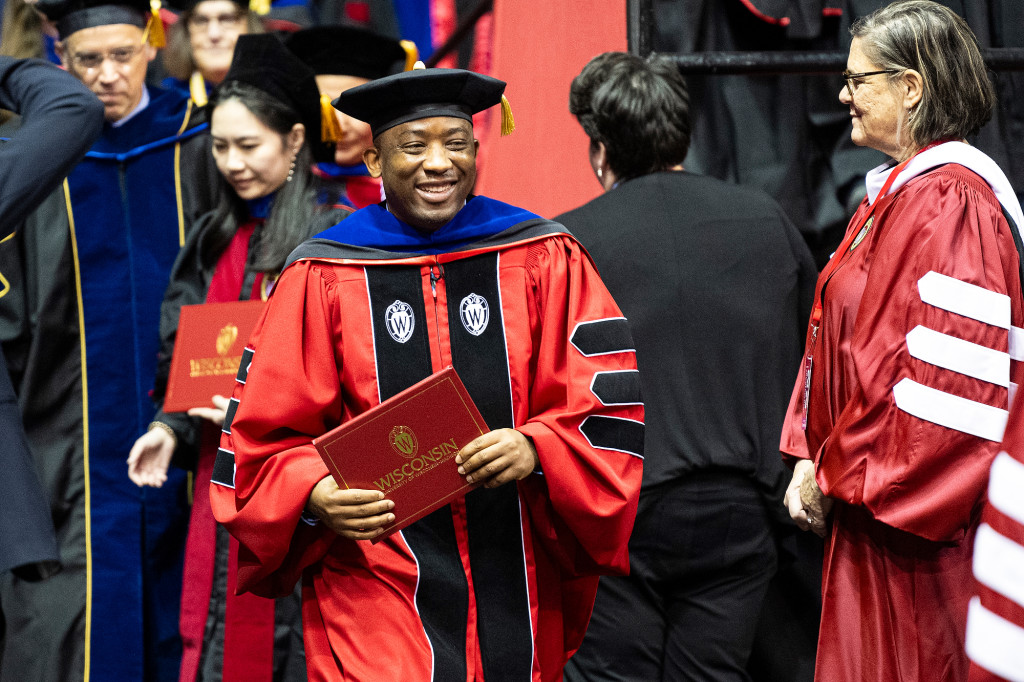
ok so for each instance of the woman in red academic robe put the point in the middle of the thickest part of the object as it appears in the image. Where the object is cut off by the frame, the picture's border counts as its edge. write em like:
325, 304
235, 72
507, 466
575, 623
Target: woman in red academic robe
261, 117
901, 401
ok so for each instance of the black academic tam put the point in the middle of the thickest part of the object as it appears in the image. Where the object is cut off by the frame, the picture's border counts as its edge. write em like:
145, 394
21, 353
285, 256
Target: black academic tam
420, 93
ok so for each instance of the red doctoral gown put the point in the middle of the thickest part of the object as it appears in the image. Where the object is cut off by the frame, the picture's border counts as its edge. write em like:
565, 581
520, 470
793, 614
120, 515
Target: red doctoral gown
995, 620
906, 406
498, 586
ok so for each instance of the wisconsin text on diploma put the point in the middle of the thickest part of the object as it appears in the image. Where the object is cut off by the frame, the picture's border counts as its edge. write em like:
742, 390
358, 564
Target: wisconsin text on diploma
209, 367
418, 465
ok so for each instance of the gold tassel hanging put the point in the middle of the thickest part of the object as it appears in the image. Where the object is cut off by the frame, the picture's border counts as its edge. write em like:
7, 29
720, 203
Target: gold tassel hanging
330, 130
411, 54
260, 7
508, 124
155, 27
197, 88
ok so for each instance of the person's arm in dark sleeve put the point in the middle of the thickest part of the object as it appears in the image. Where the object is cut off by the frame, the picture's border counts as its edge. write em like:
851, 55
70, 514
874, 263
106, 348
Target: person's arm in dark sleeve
61, 119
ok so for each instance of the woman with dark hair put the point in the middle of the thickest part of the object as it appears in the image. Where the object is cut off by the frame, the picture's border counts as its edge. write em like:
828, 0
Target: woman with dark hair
262, 117
201, 43
657, 104
715, 283
910, 358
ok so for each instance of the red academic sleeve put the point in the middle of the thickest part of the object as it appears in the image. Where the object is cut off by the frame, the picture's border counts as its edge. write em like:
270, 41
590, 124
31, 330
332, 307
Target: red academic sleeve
583, 505
909, 472
995, 621
291, 394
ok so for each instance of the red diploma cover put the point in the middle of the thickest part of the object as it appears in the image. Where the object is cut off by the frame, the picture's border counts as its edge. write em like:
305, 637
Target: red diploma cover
406, 446
207, 351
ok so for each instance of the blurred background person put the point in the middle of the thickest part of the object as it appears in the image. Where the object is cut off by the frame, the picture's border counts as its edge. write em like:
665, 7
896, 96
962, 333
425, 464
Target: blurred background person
22, 30
343, 57
26, 32
900, 403
87, 271
716, 284
263, 117
201, 43
60, 119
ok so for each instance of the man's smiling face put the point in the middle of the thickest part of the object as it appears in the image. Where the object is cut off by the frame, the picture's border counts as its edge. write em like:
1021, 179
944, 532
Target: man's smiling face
428, 168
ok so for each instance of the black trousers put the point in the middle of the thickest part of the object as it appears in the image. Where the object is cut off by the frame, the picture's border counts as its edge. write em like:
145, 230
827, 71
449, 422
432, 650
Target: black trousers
701, 555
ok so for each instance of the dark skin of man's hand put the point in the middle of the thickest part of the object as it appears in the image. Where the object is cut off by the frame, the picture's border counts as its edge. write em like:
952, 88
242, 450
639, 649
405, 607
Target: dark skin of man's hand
491, 460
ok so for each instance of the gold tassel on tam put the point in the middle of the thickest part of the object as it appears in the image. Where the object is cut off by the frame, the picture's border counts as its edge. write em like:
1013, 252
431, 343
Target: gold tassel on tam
155, 25
508, 124
411, 54
330, 131
197, 88
260, 7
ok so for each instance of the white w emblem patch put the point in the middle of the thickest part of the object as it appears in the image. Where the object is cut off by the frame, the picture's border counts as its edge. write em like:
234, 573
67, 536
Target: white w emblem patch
475, 313
400, 321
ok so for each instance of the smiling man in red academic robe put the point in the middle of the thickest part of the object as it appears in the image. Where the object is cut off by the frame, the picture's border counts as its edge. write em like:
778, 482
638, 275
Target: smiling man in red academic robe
498, 585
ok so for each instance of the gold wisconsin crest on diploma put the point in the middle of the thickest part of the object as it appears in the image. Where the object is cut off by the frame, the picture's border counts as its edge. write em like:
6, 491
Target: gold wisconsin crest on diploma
404, 441
226, 339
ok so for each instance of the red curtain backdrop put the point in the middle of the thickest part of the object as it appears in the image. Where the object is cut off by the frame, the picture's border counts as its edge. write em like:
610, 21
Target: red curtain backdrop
538, 47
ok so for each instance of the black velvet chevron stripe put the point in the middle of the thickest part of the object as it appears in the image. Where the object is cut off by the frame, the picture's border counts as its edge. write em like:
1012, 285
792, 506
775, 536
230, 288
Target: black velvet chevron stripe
492, 516
613, 433
229, 416
442, 596
243, 366
602, 337
224, 468
617, 388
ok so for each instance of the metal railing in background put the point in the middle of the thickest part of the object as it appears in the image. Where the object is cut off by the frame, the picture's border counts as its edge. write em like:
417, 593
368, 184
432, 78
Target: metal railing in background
792, 62
640, 25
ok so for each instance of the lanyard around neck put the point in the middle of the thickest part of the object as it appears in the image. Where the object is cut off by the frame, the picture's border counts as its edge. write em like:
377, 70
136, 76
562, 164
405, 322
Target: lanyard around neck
844, 248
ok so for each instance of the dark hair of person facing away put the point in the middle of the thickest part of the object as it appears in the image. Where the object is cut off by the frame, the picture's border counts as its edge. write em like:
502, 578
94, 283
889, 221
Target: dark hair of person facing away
177, 56
295, 203
639, 109
936, 42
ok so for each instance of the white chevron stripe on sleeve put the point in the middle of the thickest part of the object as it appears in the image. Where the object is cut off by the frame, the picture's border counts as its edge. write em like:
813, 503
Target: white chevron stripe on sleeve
995, 643
1006, 487
949, 352
1016, 343
963, 298
999, 563
951, 411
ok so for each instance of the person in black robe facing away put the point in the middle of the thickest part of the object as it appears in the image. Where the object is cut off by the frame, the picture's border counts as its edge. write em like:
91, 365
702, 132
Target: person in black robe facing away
717, 285
79, 328
60, 121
